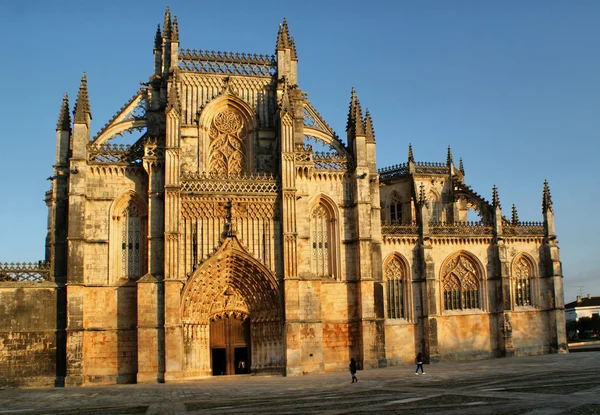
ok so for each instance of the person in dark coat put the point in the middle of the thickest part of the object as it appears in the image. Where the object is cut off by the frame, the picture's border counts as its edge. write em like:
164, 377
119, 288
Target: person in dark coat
419, 364
353, 370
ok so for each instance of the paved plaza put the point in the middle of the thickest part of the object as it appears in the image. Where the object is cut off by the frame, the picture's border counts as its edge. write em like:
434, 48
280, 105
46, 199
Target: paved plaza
536, 385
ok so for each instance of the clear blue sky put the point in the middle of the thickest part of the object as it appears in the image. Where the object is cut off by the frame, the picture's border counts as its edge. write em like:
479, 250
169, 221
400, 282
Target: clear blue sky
512, 86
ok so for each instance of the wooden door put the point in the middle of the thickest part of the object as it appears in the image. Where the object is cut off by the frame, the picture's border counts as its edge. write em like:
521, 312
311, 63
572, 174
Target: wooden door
229, 339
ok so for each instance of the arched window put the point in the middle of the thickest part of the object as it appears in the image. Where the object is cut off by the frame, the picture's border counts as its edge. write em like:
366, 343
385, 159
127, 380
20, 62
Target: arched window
131, 243
460, 282
522, 281
434, 206
395, 275
396, 209
323, 235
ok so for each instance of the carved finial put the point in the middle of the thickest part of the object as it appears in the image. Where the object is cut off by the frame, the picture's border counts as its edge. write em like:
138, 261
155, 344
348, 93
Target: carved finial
82, 105
294, 53
167, 24
158, 39
283, 36
369, 132
410, 153
175, 35
449, 157
64, 118
495, 198
422, 198
351, 111
515, 217
461, 167
546, 199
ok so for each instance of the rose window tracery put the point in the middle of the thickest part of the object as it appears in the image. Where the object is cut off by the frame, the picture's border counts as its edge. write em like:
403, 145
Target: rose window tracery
227, 144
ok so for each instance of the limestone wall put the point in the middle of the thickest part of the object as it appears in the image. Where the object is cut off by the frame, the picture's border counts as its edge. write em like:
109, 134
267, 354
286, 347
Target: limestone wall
28, 335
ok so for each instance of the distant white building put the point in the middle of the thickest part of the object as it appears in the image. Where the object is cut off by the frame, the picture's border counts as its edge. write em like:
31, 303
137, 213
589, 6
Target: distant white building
582, 307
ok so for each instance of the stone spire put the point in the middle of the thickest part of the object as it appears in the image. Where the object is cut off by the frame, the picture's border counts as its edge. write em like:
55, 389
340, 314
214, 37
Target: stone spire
461, 167
283, 36
294, 53
158, 39
515, 217
355, 125
370, 133
64, 118
173, 102
82, 105
495, 198
411, 157
175, 34
449, 157
167, 25
546, 199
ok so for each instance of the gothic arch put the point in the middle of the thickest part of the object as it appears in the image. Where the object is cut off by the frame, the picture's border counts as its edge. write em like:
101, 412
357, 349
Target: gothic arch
227, 121
128, 225
233, 284
524, 280
398, 293
462, 282
324, 237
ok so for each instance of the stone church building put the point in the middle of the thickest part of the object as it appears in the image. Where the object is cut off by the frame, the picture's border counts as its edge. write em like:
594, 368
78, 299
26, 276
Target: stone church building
224, 240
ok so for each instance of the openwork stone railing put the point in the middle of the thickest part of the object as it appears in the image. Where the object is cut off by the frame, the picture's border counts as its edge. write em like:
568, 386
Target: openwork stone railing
391, 228
227, 63
524, 229
431, 168
116, 153
330, 161
393, 171
460, 229
218, 183
25, 271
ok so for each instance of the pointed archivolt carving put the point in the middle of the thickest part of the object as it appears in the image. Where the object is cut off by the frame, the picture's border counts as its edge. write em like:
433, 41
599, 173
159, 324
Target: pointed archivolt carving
231, 282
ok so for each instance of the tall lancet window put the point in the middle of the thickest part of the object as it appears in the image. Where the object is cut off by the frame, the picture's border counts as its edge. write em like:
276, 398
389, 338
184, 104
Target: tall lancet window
522, 281
131, 243
461, 284
396, 209
394, 275
319, 222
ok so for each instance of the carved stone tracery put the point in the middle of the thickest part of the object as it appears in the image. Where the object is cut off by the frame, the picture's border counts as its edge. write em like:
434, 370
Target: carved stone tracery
227, 144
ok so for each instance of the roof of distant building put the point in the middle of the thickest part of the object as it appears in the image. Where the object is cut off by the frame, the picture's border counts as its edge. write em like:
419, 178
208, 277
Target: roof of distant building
584, 302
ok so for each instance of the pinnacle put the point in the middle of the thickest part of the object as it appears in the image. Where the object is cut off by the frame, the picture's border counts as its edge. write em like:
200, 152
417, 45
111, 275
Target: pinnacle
495, 198
293, 46
369, 132
449, 157
515, 217
283, 36
175, 36
173, 99
167, 24
359, 126
411, 157
546, 198
82, 105
64, 118
461, 167
158, 39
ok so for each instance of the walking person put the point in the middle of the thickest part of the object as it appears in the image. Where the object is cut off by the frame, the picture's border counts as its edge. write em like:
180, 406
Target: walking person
419, 364
353, 370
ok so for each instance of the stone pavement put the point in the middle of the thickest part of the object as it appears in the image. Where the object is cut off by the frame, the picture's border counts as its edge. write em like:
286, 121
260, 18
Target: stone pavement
535, 385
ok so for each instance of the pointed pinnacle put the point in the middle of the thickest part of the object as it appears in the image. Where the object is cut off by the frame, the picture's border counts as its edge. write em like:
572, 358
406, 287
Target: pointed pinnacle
175, 36
167, 24
461, 167
359, 126
410, 153
422, 195
158, 39
546, 198
369, 132
82, 105
495, 198
449, 157
293, 46
64, 118
351, 111
283, 36
173, 99
515, 217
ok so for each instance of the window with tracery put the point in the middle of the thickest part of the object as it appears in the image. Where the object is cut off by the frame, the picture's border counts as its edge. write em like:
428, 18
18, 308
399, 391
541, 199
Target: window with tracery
227, 144
131, 241
396, 209
394, 275
435, 207
320, 235
460, 283
522, 281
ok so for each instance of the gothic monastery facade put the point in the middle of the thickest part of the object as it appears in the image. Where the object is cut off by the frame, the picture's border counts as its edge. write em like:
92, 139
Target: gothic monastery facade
222, 242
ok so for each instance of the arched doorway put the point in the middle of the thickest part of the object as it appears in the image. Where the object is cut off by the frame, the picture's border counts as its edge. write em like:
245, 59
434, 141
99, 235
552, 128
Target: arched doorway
230, 345
231, 312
